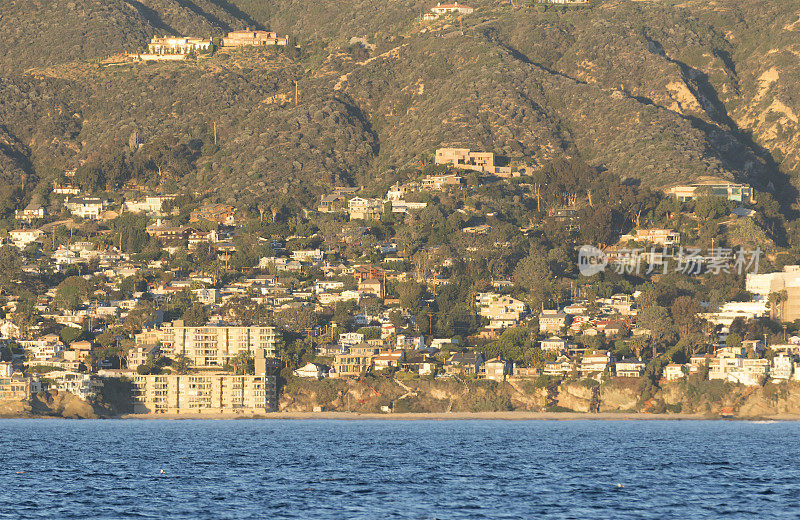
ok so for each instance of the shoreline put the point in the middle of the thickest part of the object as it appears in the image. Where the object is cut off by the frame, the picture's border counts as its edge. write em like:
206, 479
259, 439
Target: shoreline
457, 416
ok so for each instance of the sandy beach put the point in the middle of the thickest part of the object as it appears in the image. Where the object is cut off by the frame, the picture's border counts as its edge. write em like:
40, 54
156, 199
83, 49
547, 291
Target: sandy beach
504, 416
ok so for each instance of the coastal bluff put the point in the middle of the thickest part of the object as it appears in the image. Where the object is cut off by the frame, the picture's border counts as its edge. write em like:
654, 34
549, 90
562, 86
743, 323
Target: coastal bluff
387, 396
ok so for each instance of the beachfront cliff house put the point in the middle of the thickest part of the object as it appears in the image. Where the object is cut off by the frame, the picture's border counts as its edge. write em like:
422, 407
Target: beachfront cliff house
674, 371
783, 366
16, 386
353, 363
84, 207
251, 38
660, 237
463, 363
561, 367
164, 45
630, 367
595, 363
720, 188
312, 371
365, 208
497, 369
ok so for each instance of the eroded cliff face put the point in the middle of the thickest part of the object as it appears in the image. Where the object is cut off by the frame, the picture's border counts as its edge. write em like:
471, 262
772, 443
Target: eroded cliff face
704, 398
54, 404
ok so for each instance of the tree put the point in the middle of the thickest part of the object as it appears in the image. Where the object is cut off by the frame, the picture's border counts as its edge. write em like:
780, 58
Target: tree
242, 363
144, 313
658, 321
180, 364
533, 274
597, 226
411, 294
195, 316
684, 311
733, 340
72, 292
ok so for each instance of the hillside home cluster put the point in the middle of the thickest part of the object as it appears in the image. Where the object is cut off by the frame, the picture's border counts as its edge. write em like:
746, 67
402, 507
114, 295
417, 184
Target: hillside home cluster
170, 47
447, 9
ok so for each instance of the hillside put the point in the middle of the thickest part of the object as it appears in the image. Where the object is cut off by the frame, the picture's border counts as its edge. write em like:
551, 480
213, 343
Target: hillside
663, 92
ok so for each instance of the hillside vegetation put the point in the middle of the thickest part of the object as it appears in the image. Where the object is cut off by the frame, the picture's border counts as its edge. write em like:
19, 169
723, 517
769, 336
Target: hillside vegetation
660, 92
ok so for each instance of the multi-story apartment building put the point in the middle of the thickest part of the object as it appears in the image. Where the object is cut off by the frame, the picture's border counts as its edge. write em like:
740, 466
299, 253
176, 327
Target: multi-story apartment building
209, 393
204, 393
213, 345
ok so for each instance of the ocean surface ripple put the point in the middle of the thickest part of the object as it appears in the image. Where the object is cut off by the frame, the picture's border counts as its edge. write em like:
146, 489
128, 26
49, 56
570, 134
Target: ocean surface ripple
152, 469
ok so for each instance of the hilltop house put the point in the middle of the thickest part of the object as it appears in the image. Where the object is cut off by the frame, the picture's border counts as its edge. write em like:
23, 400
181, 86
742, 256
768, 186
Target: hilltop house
661, 237
177, 45
454, 8
364, 209
84, 207
553, 344
441, 182
22, 237
250, 37
32, 211
553, 320
503, 311
720, 188
466, 159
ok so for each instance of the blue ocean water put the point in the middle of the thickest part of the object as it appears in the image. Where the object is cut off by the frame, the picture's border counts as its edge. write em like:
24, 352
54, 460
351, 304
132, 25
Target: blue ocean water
398, 469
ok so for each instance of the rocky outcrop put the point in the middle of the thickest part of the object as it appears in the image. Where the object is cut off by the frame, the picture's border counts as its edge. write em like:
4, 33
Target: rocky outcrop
54, 404
619, 395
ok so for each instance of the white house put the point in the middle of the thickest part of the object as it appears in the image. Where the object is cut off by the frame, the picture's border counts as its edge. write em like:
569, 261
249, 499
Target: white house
84, 207
674, 371
22, 237
454, 8
553, 344
312, 370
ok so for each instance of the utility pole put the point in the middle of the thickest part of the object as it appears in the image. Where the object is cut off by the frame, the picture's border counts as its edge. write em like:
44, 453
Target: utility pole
215, 133
295, 92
